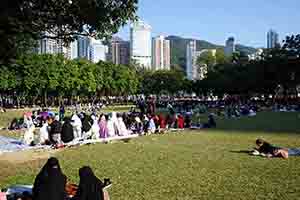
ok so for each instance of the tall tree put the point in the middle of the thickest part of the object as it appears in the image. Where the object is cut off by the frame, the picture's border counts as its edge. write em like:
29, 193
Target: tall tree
22, 20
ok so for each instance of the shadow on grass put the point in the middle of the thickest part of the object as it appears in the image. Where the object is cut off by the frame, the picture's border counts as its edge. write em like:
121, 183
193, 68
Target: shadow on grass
241, 151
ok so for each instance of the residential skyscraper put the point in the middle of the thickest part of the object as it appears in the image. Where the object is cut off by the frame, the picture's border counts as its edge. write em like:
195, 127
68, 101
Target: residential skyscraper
229, 47
160, 53
191, 67
140, 41
119, 51
74, 49
272, 39
98, 51
47, 45
83, 47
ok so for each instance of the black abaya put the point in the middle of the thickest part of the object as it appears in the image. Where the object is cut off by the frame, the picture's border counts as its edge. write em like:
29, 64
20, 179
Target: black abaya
90, 187
50, 183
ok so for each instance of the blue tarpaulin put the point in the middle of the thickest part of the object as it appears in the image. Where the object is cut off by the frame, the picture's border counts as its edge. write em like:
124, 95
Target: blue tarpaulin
8, 144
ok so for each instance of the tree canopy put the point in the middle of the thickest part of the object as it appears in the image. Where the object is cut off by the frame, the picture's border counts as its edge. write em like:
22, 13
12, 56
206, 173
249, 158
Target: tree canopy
23, 21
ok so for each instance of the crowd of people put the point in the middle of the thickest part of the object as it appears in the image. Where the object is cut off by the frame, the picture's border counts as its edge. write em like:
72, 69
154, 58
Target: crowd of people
56, 129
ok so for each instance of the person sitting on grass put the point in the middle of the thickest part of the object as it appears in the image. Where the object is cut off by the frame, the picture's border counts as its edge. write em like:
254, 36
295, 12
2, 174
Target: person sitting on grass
111, 130
187, 121
50, 183
90, 187
152, 126
44, 134
67, 132
180, 122
55, 130
211, 122
103, 131
162, 123
123, 131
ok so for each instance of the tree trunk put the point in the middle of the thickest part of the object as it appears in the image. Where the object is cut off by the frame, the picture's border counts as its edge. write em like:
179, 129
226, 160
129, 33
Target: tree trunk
45, 99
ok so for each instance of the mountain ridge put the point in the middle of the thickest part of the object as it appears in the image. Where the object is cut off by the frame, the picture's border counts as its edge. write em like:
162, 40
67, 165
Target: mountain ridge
178, 48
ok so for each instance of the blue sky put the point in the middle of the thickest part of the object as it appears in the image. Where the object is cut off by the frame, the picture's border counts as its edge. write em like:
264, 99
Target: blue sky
215, 20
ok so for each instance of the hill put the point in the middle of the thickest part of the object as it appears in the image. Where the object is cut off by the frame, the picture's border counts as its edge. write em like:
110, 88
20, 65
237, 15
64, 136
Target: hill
178, 48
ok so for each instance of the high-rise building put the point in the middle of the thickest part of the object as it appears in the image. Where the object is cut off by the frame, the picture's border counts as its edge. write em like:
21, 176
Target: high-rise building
119, 51
272, 39
74, 49
229, 47
83, 47
98, 51
64, 49
140, 40
47, 45
160, 53
191, 67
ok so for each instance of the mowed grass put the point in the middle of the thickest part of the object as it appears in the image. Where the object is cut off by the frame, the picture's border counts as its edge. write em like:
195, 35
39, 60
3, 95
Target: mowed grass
203, 164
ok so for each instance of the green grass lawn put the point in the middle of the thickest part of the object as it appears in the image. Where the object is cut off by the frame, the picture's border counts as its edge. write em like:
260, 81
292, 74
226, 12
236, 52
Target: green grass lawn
190, 165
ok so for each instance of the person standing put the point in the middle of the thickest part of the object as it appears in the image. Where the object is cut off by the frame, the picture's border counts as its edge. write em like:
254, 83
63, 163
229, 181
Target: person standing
62, 112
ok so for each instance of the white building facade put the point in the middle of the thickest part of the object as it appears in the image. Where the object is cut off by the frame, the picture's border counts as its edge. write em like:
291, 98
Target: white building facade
140, 41
191, 67
160, 53
83, 47
98, 51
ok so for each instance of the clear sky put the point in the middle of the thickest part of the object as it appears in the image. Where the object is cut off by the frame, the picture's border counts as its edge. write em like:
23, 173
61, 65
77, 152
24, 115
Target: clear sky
215, 20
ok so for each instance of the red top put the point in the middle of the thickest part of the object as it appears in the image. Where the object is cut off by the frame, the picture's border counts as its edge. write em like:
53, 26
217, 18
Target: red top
180, 122
162, 121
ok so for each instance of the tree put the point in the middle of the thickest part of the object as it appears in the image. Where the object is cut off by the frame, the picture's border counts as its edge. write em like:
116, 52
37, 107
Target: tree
23, 20
207, 58
220, 57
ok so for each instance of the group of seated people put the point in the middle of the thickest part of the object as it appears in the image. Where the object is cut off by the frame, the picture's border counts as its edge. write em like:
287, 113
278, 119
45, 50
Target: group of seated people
266, 149
235, 111
82, 126
52, 184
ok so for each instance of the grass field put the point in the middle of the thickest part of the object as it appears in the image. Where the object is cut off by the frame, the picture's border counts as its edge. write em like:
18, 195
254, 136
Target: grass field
188, 165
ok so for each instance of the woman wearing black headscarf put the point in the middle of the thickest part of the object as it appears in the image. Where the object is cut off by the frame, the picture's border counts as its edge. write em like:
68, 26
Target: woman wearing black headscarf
67, 133
90, 187
50, 183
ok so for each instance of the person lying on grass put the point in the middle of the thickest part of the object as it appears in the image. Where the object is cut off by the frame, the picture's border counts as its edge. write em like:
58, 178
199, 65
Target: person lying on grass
268, 150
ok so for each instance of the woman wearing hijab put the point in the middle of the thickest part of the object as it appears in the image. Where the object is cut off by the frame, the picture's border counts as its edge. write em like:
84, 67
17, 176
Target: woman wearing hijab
111, 128
67, 133
90, 187
77, 124
50, 183
103, 127
121, 126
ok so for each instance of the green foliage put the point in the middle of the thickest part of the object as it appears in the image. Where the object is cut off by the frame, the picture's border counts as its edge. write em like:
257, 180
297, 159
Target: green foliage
25, 20
206, 59
220, 57
37, 75
162, 82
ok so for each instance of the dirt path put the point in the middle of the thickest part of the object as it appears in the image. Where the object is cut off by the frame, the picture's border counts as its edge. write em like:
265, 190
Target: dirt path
26, 156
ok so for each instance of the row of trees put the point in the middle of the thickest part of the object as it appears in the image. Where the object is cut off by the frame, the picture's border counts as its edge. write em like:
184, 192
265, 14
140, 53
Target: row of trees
35, 76
38, 76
